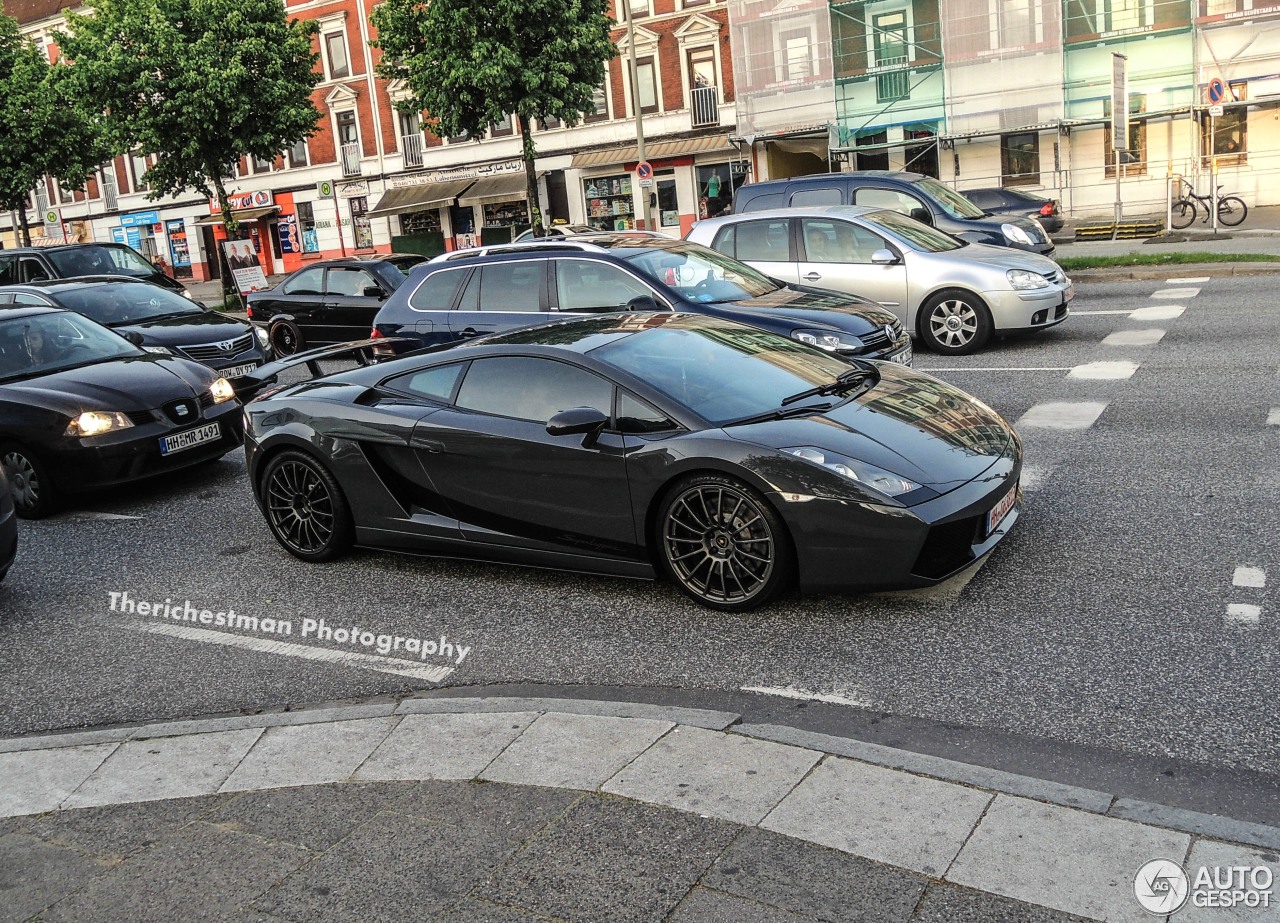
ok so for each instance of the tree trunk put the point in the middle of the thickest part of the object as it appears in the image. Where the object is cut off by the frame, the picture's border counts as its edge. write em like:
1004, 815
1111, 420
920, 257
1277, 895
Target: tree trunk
531, 177
232, 226
22, 223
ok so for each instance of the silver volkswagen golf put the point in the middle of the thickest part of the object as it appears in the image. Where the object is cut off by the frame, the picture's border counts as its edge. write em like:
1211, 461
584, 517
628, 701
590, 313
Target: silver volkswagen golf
950, 293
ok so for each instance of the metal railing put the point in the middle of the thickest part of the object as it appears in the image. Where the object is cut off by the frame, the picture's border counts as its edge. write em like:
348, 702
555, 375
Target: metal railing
351, 158
110, 195
705, 107
411, 149
893, 83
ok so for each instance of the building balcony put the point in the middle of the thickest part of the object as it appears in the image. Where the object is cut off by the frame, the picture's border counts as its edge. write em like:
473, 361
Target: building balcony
411, 148
705, 107
110, 196
351, 159
894, 82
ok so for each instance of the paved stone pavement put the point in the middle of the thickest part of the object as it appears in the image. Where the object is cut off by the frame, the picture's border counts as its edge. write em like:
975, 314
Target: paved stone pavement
515, 810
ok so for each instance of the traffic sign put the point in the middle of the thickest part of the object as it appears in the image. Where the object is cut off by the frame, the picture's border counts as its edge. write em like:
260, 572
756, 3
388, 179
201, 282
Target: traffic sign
1216, 111
324, 189
52, 216
1217, 90
644, 170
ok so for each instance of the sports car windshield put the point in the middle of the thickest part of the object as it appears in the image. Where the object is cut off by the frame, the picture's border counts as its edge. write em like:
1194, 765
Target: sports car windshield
100, 261
952, 202
115, 303
43, 343
913, 233
722, 373
701, 274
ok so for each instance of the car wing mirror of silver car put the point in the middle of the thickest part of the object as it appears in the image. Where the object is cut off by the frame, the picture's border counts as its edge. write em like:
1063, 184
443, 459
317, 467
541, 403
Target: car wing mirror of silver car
884, 257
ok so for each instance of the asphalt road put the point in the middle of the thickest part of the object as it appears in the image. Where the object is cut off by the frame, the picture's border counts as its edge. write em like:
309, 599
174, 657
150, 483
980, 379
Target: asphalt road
1103, 621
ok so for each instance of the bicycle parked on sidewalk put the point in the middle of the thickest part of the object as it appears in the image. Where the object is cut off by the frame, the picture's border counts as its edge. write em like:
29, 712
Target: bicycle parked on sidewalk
1231, 209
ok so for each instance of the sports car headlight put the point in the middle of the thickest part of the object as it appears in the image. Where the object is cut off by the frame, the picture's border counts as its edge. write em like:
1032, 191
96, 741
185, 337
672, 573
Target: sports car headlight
263, 340
1024, 281
830, 340
879, 480
221, 391
97, 422
1016, 234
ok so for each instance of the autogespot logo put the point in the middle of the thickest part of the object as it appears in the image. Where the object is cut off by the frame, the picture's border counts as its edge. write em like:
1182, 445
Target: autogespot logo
1161, 886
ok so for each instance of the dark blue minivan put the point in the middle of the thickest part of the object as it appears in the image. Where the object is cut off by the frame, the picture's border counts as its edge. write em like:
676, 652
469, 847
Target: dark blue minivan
467, 294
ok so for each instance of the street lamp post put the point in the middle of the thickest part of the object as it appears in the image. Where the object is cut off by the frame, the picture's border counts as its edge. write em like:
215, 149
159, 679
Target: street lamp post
635, 104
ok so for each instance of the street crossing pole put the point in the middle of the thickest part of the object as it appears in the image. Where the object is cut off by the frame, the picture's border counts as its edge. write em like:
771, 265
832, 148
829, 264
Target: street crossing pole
635, 104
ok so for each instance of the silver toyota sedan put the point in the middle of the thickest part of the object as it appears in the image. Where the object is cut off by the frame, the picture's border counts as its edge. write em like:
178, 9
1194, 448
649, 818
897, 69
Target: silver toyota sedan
950, 293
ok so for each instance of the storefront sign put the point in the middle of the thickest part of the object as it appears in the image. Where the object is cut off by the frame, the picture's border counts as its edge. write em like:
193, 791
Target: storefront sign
245, 268
259, 199
444, 176
353, 189
130, 236
140, 219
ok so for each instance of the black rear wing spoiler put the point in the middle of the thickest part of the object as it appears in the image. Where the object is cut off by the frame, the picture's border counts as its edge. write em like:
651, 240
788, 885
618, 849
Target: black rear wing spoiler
249, 385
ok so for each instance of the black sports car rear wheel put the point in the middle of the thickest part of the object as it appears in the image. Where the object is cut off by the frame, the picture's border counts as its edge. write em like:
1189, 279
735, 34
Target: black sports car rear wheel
286, 338
33, 492
723, 544
305, 508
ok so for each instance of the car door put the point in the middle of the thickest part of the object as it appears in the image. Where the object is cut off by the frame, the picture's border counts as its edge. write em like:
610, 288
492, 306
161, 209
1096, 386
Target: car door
588, 286
765, 244
350, 303
511, 483
301, 296
836, 254
430, 305
502, 296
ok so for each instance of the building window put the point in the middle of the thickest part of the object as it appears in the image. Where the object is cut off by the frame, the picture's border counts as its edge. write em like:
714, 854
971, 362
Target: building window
348, 142
796, 55
138, 169
298, 155
638, 9
1228, 138
502, 129
1020, 159
647, 85
703, 94
1134, 158
335, 55
1017, 23
362, 228
549, 124
307, 226
600, 105
893, 78
262, 165
877, 157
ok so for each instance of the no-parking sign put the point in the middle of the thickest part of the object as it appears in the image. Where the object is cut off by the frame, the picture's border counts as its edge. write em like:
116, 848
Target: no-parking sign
1217, 90
644, 170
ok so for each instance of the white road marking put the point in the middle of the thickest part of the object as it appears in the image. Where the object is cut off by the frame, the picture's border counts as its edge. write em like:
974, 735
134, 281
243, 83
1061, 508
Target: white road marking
263, 646
1063, 415
1109, 371
791, 692
92, 516
1253, 577
1273, 417
1243, 614
1159, 312
1176, 293
1095, 313
1147, 337
1188, 280
1035, 368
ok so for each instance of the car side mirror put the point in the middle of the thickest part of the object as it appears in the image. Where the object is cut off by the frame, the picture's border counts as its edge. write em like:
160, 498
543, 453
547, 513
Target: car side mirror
884, 257
133, 337
922, 215
580, 420
374, 291
643, 303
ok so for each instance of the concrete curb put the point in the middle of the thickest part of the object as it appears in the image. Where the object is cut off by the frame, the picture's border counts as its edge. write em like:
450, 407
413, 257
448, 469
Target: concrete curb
1160, 273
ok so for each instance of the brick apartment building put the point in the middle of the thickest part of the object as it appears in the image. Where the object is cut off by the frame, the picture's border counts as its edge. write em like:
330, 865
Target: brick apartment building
397, 186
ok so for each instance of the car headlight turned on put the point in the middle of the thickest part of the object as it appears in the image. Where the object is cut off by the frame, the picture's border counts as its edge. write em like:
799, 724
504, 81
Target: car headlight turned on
221, 391
878, 480
1024, 281
263, 340
97, 422
829, 340
1015, 234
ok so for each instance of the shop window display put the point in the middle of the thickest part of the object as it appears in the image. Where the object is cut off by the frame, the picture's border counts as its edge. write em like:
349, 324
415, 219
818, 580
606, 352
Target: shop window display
609, 203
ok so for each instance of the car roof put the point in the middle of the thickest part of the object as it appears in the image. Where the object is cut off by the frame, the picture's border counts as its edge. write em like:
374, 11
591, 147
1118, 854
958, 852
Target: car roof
596, 330
598, 243
91, 243
74, 282
902, 175
796, 211
17, 313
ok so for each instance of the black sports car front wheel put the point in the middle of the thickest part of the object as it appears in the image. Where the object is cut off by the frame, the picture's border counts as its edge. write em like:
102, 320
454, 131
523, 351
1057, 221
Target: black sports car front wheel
305, 507
723, 544
29, 482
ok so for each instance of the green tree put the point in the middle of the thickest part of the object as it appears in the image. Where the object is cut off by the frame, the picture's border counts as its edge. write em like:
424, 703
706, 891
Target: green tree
471, 64
46, 131
196, 83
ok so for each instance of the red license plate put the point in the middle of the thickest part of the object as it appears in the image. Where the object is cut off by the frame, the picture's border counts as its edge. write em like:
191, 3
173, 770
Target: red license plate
1001, 509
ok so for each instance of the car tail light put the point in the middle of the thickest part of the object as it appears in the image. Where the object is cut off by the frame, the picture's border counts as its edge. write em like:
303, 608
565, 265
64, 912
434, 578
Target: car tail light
384, 350
248, 310
1048, 208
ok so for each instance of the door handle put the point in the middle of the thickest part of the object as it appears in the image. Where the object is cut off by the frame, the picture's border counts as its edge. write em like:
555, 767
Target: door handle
469, 332
813, 276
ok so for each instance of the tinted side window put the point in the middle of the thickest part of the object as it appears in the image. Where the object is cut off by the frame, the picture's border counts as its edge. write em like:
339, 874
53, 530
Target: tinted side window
437, 384
26, 298
768, 200
767, 241
514, 286
308, 282
8, 270
724, 240
636, 416
591, 285
32, 270
887, 198
531, 389
349, 283
437, 291
827, 241
823, 195
984, 198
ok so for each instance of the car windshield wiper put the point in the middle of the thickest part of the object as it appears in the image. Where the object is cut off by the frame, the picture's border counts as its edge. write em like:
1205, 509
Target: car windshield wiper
781, 413
846, 381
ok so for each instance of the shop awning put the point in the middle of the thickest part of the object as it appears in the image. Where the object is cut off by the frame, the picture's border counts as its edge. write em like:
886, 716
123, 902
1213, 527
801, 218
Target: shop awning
657, 150
509, 187
242, 214
420, 197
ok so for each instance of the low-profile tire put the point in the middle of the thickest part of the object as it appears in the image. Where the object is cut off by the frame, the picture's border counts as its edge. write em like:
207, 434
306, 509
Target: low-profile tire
955, 323
305, 507
1231, 210
722, 544
34, 495
286, 338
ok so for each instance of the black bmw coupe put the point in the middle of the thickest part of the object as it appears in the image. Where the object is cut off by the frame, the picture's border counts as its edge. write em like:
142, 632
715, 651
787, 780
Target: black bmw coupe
732, 460
82, 407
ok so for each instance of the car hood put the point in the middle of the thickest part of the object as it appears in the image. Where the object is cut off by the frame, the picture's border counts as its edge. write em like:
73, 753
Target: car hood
133, 383
1004, 258
810, 306
909, 423
187, 329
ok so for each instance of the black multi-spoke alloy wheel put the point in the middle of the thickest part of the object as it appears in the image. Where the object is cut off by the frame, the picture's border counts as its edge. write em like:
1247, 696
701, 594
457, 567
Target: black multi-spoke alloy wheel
33, 493
286, 338
955, 323
1231, 210
722, 543
1182, 213
305, 507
